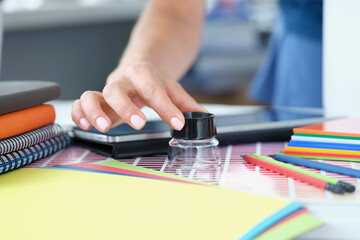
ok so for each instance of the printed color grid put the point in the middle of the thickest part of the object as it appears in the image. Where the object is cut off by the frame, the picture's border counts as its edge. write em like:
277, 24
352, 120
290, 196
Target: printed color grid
234, 173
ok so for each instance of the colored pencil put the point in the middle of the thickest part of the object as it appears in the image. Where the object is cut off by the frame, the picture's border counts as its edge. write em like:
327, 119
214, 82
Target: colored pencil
348, 187
326, 151
324, 145
318, 165
321, 157
294, 174
332, 155
324, 139
326, 136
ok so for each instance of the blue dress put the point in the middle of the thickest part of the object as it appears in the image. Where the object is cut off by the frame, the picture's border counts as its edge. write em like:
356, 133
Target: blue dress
291, 74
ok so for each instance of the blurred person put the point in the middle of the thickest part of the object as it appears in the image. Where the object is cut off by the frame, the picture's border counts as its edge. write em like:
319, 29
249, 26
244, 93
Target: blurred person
163, 46
291, 74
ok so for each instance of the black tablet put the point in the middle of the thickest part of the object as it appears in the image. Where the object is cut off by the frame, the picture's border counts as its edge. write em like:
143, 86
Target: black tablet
264, 124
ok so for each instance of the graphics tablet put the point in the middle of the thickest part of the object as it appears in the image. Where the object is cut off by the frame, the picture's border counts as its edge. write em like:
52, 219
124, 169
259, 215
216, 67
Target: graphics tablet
262, 124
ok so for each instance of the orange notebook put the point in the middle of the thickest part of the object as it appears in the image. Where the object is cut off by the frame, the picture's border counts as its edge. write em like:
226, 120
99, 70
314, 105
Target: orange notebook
25, 120
338, 127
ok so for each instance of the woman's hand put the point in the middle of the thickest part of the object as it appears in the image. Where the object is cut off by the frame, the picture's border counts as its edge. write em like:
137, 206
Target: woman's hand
128, 89
167, 36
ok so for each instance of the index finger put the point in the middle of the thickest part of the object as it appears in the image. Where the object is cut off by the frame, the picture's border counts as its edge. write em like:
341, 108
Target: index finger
149, 87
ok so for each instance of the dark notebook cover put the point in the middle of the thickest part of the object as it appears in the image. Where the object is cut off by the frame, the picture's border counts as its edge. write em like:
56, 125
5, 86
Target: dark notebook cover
17, 95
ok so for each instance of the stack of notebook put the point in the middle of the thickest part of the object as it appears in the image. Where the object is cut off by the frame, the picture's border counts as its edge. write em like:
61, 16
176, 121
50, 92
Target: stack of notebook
332, 140
27, 129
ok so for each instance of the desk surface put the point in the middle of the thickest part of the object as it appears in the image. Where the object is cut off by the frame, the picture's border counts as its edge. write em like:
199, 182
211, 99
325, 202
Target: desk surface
340, 213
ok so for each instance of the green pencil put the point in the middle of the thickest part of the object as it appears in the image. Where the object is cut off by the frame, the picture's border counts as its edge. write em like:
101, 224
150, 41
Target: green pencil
347, 186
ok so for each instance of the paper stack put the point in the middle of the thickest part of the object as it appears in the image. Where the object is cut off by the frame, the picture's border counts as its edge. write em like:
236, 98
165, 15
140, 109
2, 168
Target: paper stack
115, 200
332, 140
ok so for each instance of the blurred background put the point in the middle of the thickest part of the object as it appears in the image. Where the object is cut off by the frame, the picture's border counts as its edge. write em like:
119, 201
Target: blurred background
77, 43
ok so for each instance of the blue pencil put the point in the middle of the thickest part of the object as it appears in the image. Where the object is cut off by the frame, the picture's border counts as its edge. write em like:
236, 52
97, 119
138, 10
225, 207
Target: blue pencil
318, 165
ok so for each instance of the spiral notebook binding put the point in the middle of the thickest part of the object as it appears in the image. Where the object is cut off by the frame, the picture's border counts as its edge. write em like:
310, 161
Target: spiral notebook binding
23, 157
28, 139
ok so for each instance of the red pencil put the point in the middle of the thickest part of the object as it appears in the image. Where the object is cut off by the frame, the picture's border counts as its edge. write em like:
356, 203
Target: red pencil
294, 174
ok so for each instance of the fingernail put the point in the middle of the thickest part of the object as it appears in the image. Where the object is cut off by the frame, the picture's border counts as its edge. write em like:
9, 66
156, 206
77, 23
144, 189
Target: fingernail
137, 121
102, 123
204, 109
84, 123
176, 123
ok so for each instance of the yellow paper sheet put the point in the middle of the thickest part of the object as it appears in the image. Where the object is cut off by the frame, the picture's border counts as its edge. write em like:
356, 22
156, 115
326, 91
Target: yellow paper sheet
57, 204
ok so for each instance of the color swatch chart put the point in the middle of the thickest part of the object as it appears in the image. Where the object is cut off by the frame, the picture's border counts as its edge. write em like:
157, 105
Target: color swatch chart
234, 173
